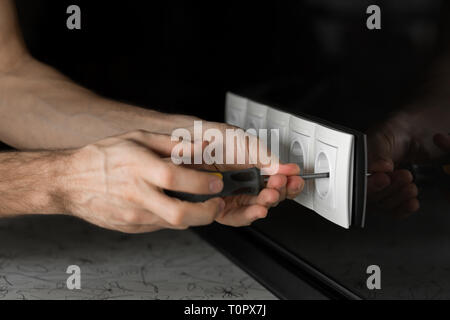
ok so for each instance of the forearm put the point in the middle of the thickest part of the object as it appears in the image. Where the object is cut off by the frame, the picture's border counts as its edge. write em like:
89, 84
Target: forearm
31, 183
42, 109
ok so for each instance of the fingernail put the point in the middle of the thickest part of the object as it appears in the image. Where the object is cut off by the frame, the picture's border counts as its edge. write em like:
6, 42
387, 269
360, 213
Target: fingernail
299, 188
216, 185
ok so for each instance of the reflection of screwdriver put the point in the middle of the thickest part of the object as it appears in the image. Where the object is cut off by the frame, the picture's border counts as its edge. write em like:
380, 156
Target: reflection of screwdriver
247, 181
430, 174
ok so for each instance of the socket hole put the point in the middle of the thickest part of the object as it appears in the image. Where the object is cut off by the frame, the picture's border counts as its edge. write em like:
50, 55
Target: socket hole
297, 155
322, 165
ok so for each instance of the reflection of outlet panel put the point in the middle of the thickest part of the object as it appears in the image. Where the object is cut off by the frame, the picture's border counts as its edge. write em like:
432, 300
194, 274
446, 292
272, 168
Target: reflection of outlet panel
316, 147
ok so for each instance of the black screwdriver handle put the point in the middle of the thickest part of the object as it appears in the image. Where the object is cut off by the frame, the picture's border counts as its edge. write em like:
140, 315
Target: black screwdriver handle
247, 181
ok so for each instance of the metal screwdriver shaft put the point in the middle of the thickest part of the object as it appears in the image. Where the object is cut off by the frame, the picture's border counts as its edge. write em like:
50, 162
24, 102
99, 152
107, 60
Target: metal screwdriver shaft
309, 176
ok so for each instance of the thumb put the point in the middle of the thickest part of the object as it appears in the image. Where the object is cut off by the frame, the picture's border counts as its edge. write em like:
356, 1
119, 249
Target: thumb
380, 153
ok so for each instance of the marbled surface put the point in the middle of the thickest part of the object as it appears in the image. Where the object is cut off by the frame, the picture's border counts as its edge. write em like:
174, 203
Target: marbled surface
36, 251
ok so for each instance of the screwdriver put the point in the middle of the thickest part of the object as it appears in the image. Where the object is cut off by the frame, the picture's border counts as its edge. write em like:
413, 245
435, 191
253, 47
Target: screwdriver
310, 176
246, 181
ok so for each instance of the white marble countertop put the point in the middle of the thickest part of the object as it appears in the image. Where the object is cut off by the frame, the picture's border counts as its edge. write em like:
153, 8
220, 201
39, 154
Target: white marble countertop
36, 251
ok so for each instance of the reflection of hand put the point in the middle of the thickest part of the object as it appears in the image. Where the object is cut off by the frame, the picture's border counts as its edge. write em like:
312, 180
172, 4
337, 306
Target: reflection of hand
443, 142
391, 189
404, 139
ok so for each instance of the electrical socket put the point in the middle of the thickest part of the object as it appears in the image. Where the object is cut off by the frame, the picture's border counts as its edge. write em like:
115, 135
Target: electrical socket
333, 152
301, 152
315, 148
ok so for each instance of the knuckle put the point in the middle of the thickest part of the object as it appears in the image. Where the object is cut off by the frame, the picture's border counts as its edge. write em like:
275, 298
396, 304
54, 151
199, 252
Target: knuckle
412, 190
167, 176
140, 134
93, 152
131, 217
180, 227
263, 215
208, 219
132, 135
178, 217
127, 230
129, 193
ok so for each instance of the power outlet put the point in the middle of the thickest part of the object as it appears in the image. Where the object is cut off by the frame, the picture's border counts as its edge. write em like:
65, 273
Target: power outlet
315, 148
333, 152
301, 148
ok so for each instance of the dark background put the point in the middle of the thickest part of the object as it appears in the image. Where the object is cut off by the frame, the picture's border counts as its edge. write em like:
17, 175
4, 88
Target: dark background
316, 57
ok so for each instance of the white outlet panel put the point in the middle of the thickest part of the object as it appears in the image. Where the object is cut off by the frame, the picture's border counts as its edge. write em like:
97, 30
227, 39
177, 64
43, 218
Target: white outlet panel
333, 152
314, 147
279, 120
235, 110
301, 152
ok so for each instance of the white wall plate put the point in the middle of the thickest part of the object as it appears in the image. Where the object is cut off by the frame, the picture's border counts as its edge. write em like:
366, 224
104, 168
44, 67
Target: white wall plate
301, 152
279, 120
333, 152
256, 116
315, 148
235, 110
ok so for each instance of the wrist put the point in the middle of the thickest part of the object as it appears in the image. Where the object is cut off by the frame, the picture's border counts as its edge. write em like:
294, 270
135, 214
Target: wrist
50, 195
31, 182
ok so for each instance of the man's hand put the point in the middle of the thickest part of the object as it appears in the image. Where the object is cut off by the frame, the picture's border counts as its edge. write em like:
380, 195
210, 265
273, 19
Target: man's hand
283, 184
242, 210
443, 142
117, 183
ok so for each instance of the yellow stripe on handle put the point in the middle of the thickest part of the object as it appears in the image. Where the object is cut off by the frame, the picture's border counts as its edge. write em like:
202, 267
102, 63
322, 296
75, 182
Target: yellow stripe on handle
217, 174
